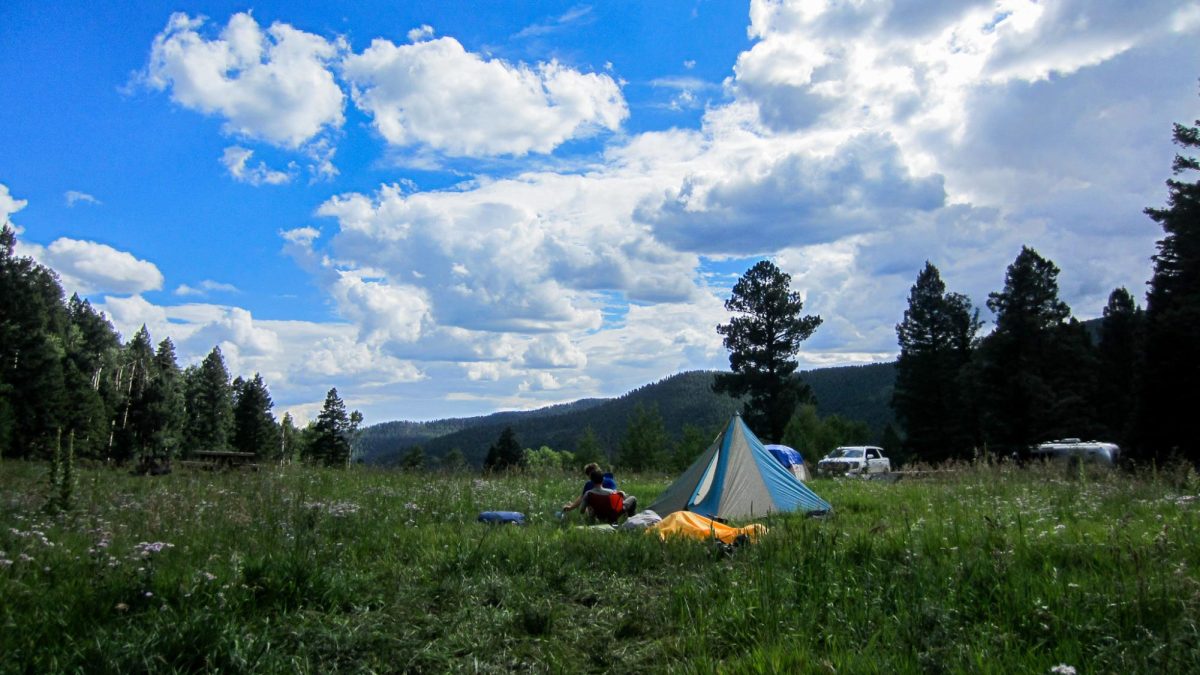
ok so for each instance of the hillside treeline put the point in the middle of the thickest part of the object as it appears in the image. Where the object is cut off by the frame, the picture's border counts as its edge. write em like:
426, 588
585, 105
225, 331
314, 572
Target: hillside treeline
659, 425
68, 382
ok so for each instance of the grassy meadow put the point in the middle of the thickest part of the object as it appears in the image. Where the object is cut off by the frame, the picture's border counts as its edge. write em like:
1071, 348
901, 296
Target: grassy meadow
991, 569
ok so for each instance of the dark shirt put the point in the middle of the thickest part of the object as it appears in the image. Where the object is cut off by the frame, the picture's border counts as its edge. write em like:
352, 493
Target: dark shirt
608, 482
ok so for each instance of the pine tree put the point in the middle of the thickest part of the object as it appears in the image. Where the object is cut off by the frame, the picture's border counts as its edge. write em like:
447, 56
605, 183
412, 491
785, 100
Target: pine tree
1120, 335
254, 429
763, 338
693, 442
454, 461
645, 444
414, 459
893, 447
165, 403
936, 338
1018, 381
334, 432
505, 454
1173, 312
209, 405
588, 449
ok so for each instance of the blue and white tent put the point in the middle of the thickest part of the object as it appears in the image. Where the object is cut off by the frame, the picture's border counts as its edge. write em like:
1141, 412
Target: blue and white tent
737, 478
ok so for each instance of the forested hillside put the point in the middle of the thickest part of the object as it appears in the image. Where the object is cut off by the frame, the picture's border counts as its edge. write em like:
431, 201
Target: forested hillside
384, 438
858, 392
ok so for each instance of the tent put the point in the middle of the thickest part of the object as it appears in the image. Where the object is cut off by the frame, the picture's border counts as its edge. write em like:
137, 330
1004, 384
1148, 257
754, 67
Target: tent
737, 477
790, 459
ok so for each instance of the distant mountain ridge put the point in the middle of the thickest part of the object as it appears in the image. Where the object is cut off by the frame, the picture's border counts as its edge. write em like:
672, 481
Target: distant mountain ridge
860, 393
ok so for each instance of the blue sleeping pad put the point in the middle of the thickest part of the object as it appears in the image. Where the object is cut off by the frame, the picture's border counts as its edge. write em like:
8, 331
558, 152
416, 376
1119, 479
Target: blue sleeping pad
502, 517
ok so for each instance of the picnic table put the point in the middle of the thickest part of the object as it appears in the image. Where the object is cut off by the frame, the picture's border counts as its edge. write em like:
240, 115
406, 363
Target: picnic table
218, 460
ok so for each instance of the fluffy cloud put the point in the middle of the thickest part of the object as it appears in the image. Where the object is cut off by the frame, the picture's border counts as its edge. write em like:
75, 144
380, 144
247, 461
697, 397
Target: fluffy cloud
236, 160
383, 311
89, 267
9, 204
522, 255
799, 199
235, 327
554, 351
436, 93
274, 85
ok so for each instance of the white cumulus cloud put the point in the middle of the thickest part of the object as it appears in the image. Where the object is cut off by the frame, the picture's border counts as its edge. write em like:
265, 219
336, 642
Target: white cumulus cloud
274, 85
436, 93
9, 204
91, 267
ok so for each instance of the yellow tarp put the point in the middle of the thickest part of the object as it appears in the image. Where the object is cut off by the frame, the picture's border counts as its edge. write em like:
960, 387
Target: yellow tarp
696, 526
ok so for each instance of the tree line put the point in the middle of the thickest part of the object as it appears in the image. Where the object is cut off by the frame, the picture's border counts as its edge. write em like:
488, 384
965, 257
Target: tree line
1039, 375
66, 376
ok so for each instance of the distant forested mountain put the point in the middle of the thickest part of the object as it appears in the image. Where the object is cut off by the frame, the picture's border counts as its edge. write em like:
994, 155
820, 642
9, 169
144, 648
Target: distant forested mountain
387, 438
862, 393
857, 392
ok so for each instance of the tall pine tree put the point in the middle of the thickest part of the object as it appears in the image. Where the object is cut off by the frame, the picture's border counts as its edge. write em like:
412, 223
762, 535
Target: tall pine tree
209, 405
1173, 312
334, 432
254, 427
762, 338
1120, 336
1033, 369
505, 454
936, 338
165, 404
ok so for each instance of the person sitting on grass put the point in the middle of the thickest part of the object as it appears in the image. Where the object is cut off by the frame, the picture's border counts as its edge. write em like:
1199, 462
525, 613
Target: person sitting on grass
602, 502
606, 480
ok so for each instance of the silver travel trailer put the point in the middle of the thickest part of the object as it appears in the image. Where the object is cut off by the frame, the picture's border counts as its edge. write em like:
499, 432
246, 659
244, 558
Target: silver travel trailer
1073, 449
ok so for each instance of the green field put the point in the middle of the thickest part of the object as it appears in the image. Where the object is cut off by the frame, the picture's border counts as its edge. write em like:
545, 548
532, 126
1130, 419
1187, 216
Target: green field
986, 570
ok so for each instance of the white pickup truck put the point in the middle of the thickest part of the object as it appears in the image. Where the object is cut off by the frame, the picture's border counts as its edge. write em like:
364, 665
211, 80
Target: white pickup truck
854, 460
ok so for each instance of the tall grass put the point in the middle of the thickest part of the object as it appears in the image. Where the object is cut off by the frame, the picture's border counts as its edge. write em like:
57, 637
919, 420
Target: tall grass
991, 570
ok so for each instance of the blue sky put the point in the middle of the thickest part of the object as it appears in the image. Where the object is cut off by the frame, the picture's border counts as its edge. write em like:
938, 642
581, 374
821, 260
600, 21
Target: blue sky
448, 208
